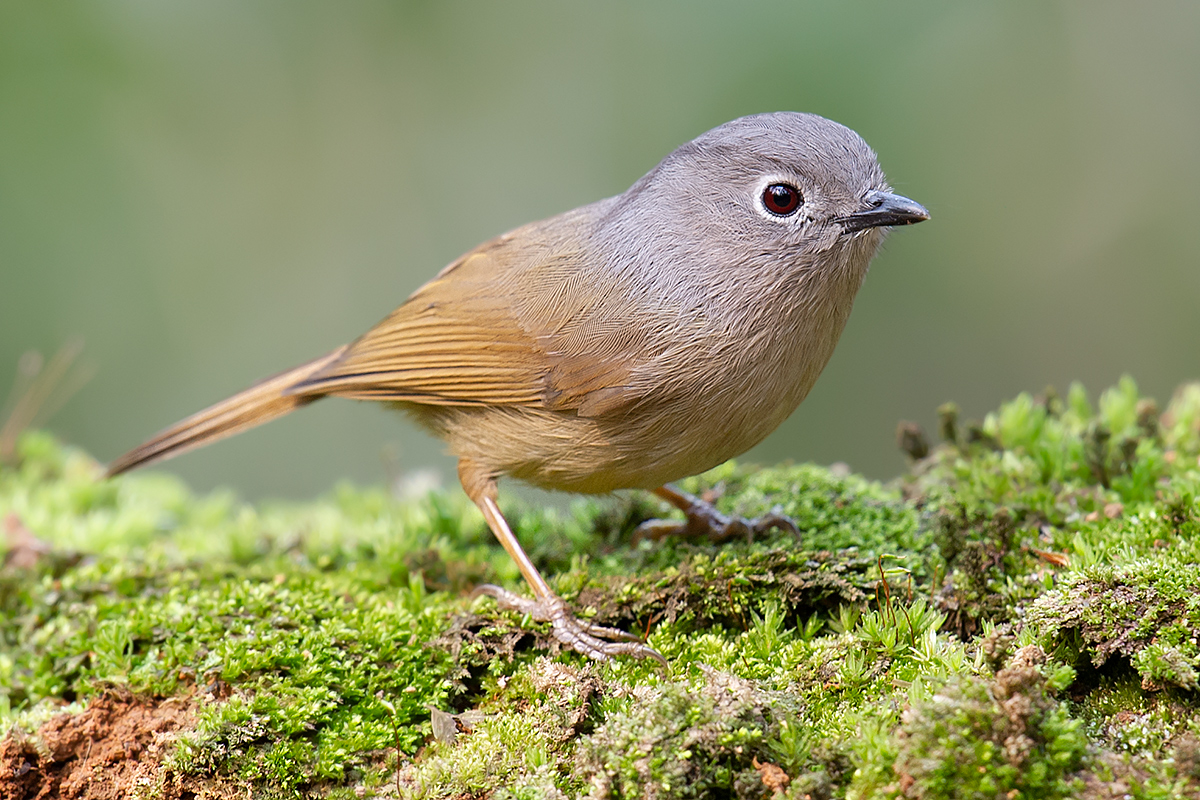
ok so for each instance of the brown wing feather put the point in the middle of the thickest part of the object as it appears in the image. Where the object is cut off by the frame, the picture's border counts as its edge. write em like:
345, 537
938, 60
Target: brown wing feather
523, 320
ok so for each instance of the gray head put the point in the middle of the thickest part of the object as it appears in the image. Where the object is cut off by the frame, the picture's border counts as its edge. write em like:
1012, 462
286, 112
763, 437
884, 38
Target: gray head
783, 186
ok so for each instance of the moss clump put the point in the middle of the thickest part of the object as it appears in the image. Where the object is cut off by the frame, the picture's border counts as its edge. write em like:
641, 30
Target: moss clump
1051, 482
330, 648
670, 738
978, 740
678, 739
1147, 610
833, 508
723, 588
303, 663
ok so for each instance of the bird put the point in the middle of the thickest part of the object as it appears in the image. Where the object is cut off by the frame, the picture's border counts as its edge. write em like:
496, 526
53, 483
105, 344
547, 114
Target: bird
624, 344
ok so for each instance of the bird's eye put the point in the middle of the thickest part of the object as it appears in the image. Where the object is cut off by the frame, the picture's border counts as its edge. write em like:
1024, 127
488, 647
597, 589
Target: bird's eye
781, 199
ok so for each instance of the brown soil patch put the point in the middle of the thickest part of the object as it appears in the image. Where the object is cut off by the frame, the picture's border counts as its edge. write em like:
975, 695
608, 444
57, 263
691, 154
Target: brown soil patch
112, 750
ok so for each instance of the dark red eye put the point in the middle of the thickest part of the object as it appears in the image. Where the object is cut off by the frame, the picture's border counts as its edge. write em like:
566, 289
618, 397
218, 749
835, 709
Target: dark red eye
781, 199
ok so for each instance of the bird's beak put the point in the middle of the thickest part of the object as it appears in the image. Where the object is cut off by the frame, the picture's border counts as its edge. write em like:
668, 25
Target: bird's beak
883, 209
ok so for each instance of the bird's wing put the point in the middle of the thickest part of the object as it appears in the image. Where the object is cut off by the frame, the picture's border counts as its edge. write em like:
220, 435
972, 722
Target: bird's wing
523, 320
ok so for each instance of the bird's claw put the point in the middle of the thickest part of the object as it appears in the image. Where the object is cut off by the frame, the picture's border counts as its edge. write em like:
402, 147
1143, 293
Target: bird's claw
594, 641
703, 519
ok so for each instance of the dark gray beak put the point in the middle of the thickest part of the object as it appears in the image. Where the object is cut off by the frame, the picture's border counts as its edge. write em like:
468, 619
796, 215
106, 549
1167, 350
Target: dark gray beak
883, 209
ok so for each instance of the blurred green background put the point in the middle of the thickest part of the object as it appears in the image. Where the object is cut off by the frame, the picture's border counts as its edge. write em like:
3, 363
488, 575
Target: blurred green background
209, 192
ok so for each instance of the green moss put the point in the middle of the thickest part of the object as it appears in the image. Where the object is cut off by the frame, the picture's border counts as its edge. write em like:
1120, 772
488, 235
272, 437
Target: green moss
981, 740
299, 631
870, 657
1147, 610
834, 510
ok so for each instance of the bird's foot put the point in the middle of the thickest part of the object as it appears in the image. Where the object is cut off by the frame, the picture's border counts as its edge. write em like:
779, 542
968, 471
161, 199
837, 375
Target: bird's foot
579, 635
703, 519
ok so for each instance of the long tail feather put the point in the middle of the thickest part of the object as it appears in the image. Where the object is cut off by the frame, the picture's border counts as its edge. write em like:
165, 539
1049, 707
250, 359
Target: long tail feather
262, 402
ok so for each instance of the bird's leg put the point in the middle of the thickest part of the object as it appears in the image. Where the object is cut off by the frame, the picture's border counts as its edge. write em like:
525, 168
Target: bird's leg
545, 606
703, 519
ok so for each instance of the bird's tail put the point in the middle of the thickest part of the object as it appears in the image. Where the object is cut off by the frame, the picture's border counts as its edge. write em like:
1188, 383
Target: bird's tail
262, 402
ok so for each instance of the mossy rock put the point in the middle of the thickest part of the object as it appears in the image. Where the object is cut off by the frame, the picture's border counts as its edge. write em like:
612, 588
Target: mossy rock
1017, 617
